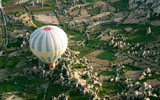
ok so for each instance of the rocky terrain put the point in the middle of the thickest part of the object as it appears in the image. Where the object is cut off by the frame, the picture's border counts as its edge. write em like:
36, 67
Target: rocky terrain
113, 52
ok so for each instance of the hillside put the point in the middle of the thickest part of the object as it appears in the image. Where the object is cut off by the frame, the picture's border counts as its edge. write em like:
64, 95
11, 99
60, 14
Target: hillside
113, 51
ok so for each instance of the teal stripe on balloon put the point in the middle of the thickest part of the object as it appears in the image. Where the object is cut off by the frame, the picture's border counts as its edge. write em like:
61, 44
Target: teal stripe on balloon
40, 42
34, 40
43, 59
49, 59
48, 45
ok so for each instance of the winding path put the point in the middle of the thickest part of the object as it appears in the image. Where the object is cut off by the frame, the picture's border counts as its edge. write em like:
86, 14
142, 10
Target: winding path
4, 23
30, 16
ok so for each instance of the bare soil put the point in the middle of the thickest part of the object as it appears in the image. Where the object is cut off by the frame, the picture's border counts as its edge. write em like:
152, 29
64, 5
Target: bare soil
133, 75
95, 53
106, 37
153, 82
47, 19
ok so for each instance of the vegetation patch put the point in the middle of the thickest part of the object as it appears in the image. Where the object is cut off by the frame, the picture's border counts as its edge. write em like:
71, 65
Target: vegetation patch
11, 26
25, 54
68, 30
18, 83
121, 4
79, 66
55, 90
96, 43
92, 43
92, 1
1, 40
108, 73
15, 44
110, 89
44, 9
154, 76
140, 36
106, 55
154, 17
9, 62
77, 38
50, 2
75, 95
94, 12
127, 67
6, 3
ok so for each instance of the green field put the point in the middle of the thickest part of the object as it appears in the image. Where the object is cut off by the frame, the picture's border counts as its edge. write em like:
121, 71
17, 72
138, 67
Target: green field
154, 17
77, 38
108, 73
141, 36
44, 9
106, 55
14, 27
110, 89
55, 90
92, 43
92, 1
6, 3
21, 84
121, 5
50, 2
127, 67
154, 76
18, 84
75, 95
10, 62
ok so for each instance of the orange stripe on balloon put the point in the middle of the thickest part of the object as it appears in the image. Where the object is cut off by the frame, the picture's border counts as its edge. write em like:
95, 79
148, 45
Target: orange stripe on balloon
50, 64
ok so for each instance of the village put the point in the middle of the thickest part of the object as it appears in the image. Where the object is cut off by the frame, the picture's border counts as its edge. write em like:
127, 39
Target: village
113, 51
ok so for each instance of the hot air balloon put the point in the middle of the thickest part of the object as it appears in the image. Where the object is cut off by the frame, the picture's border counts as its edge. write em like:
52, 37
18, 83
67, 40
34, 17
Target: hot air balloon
48, 43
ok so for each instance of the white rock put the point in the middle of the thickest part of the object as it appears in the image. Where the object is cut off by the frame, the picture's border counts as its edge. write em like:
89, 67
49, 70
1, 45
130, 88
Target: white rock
141, 77
146, 99
154, 95
148, 70
144, 74
136, 93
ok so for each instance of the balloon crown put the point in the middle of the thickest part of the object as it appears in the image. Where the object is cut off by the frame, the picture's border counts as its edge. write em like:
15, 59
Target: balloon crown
47, 28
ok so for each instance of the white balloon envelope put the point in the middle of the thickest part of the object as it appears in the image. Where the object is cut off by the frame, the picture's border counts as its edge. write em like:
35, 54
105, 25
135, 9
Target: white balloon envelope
48, 43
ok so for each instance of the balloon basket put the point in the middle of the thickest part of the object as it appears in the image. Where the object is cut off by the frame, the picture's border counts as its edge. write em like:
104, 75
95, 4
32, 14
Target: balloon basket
51, 68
